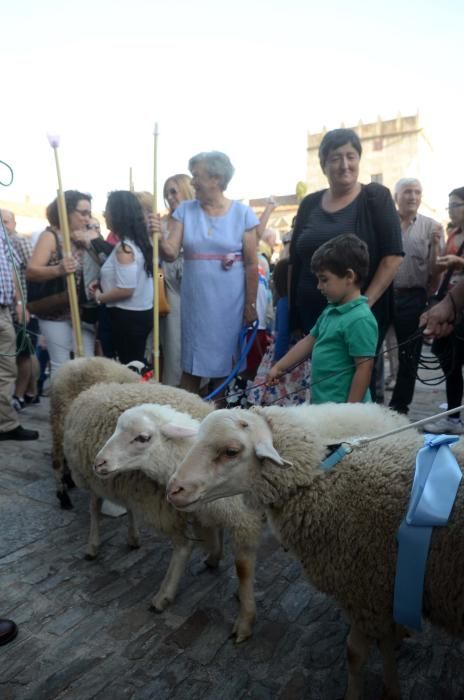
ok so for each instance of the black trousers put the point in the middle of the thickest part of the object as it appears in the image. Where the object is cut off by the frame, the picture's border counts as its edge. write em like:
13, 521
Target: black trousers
409, 305
450, 352
129, 330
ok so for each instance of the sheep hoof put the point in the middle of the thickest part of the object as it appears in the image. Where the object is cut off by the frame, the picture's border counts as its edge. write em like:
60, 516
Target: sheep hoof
390, 695
68, 481
159, 603
91, 555
241, 632
65, 501
133, 542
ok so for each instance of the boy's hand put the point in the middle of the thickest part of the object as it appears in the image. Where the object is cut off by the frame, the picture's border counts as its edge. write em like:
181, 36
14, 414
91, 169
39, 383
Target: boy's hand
273, 376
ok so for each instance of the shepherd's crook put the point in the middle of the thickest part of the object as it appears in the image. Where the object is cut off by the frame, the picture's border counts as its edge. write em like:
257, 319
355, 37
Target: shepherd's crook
155, 261
64, 228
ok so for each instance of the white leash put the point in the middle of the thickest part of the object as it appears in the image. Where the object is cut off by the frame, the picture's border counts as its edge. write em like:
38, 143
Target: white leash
361, 441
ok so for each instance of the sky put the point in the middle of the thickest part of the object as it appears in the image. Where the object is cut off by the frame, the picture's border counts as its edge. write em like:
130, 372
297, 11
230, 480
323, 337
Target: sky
249, 78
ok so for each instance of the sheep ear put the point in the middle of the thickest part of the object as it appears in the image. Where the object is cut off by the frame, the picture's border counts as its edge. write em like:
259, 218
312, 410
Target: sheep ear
171, 430
265, 450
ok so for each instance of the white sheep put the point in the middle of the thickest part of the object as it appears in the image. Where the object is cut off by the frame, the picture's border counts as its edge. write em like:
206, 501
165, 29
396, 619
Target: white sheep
68, 382
341, 523
90, 422
155, 439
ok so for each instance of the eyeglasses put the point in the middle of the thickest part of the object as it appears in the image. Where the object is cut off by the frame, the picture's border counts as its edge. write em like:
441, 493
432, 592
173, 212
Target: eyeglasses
83, 212
454, 206
172, 191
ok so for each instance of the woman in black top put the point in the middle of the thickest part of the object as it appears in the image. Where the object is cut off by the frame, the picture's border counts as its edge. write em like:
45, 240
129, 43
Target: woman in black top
346, 206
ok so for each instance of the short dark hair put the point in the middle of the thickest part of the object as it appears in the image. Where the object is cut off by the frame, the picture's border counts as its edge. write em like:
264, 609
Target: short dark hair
458, 192
340, 254
336, 138
71, 198
280, 277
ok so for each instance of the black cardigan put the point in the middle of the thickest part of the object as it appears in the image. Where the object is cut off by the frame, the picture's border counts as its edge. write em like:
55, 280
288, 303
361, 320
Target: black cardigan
377, 223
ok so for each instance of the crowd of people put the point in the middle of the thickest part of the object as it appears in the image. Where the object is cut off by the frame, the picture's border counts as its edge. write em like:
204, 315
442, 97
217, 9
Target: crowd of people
220, 277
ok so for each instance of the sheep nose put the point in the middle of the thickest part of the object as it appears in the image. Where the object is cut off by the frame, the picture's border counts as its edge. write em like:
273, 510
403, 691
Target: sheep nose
99, 464
174, 490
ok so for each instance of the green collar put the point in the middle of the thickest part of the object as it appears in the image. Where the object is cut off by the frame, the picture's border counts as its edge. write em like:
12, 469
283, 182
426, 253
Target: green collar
344, 308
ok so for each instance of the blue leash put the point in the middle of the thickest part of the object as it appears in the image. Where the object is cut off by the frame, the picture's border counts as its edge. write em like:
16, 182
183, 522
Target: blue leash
434, 489
245, 349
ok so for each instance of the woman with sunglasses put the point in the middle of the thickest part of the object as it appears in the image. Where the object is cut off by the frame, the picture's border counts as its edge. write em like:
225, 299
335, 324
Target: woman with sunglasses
47, 262
450, 350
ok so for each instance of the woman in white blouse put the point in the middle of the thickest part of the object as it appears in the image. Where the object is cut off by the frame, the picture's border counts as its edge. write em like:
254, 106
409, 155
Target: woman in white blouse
126, 279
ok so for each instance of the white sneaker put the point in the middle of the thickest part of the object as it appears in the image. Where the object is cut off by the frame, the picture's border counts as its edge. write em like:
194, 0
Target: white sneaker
444, 425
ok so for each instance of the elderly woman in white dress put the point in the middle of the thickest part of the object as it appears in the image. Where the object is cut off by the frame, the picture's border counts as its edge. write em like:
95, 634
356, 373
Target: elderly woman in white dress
220, 277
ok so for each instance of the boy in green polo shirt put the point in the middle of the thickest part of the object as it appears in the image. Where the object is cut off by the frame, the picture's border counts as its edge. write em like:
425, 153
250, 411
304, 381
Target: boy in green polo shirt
342, 344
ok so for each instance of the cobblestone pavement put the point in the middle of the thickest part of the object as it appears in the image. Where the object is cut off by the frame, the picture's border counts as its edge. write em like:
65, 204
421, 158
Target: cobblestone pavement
86, 630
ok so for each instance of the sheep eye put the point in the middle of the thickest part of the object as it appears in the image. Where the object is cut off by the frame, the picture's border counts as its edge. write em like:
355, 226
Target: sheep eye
231, 452
142, 438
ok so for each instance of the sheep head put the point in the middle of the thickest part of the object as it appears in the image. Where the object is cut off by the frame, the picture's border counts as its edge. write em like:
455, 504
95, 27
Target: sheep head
231, 445
140, 439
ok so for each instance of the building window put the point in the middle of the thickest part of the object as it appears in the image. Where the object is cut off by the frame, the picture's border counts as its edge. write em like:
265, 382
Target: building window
378, 177
377, 145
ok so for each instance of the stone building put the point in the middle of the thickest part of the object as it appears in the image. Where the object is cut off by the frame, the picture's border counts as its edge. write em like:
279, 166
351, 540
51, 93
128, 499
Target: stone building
392, 149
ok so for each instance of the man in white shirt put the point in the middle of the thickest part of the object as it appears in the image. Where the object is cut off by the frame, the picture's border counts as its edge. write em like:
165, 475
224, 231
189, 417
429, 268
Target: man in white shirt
416, 279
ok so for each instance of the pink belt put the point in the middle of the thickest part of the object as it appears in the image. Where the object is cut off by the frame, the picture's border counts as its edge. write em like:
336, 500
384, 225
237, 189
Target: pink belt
227, 260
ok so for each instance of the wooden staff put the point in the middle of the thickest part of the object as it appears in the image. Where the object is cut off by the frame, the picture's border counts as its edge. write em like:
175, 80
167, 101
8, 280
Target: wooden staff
155, 261
64, 228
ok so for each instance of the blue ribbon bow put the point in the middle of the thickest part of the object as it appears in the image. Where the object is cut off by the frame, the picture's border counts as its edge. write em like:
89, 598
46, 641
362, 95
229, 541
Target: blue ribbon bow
434, 489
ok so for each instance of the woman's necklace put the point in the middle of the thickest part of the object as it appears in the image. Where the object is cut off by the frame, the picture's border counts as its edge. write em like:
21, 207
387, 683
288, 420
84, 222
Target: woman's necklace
209, 225
220, 209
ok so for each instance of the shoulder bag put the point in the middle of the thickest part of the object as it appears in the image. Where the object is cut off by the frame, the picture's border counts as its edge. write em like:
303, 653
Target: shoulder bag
50, 296
164, 307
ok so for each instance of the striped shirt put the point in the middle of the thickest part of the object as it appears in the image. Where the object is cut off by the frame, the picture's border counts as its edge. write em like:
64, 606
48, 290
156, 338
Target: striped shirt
23, 249
7, 254
419, 259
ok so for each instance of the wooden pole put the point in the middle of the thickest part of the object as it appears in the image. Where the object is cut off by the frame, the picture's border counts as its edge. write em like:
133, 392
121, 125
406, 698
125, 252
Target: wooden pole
70, 279
155, 261
131, 180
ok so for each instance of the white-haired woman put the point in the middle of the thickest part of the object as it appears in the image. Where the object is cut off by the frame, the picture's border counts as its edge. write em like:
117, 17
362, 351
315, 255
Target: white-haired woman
220, 278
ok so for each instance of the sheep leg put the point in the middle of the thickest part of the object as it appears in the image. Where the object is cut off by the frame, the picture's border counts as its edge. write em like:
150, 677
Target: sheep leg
214, 546
392, 684
94, 534
133, 536
61, 485
357, 650
245, 567
168, 589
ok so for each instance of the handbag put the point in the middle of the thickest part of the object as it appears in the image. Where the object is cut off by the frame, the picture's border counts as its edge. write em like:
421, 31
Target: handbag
163, 308
50, 296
